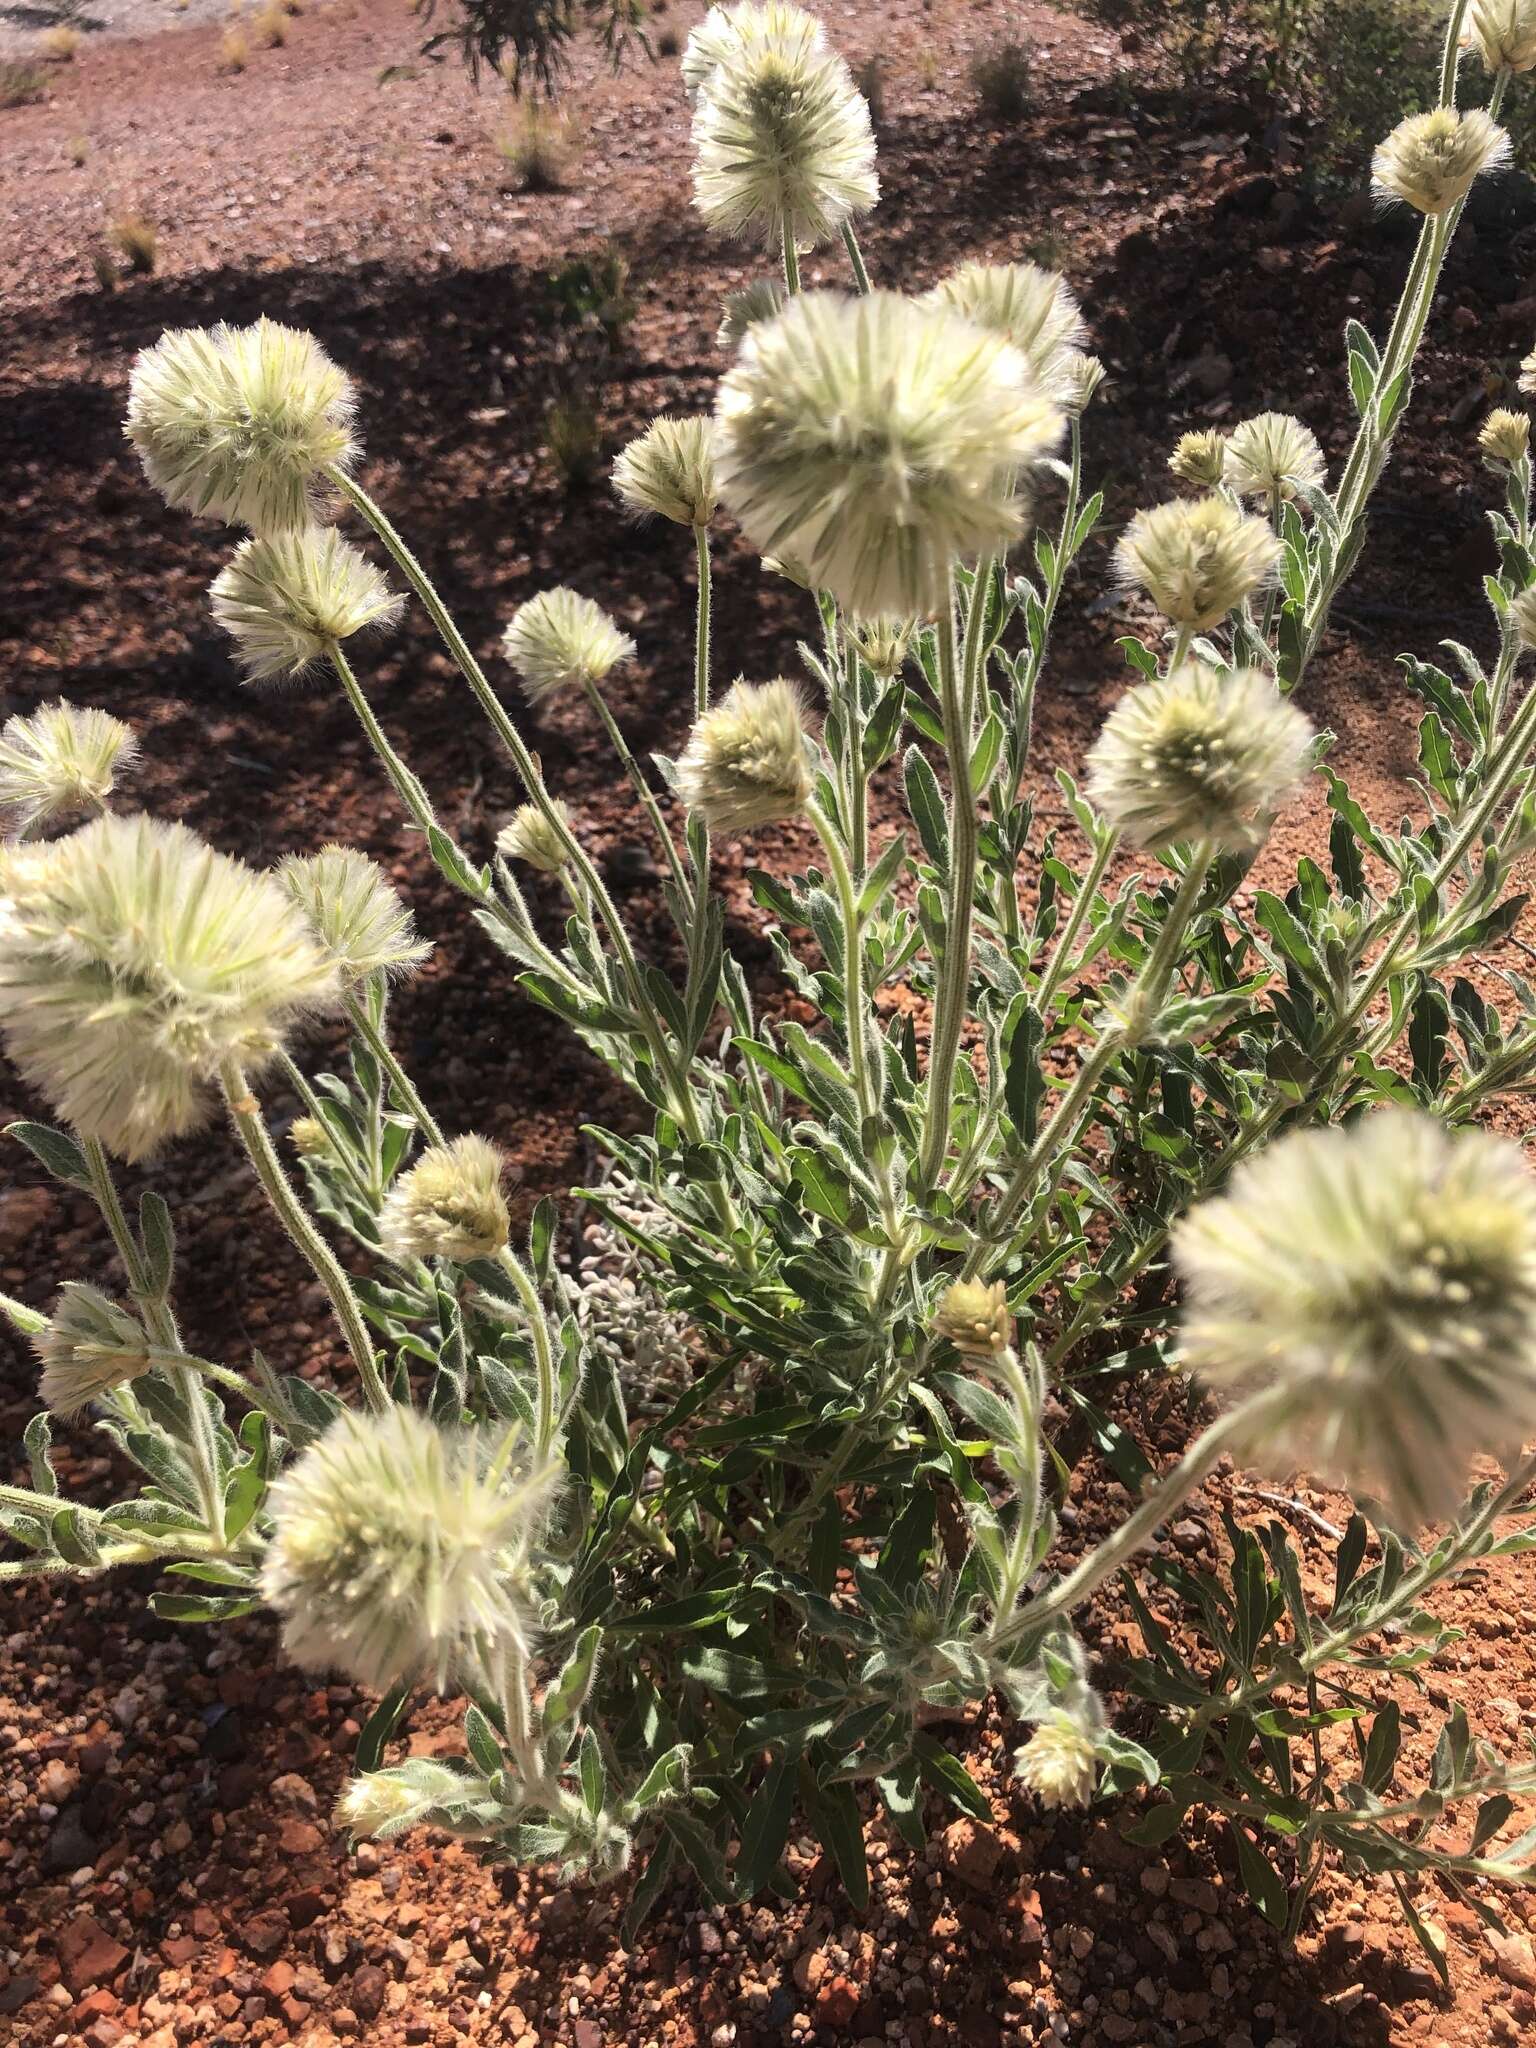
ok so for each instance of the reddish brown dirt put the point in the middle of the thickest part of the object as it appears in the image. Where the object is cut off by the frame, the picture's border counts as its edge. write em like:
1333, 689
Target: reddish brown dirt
170, 1876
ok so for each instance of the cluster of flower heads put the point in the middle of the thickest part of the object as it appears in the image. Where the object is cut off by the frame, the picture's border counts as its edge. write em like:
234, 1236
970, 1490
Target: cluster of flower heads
783, 146
253, 425
400, 1551
1382, 1279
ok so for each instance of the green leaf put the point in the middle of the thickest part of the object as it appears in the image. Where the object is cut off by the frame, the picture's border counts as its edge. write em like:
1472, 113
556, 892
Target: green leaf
378, 1729
38, 1440
55, 1150
766, 1828
480, 1741
946, 1774
593, 1773
200, 1607
1261, 1880
926, 804
157, 1234
836, 1814
568, 1695
1024, 1082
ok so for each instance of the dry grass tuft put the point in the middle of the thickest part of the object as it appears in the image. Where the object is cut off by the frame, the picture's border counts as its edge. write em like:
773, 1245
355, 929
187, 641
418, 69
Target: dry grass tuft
137, 240
542, 147
22, 85
234, 49
59, 44
270, 26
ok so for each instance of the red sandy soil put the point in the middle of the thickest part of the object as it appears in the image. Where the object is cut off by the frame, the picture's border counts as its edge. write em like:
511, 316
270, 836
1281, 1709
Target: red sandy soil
170, 1874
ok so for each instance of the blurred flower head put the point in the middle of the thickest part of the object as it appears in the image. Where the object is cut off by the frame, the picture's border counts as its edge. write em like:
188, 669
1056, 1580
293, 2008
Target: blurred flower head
1503, 32
288, 599
876, 442
58, 762
1385, 1276
135, 961
883, 644
1197, 558
1505, 436
759, 300
354, 911
1081, 378
747, 759
1030, 307
398, 1551
560, 639
239, 423
1195, 755
726, 33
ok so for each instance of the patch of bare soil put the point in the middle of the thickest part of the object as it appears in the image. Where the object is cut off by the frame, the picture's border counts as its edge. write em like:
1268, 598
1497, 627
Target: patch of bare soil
170, 1874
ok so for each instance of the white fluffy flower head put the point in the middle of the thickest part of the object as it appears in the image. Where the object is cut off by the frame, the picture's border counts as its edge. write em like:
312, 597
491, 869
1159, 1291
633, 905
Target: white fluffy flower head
560, 639
449, 1205
782, 142
1196, 755
1270, 454
239, 423
747, 759
669, 471
1505, 436
529, 837
877, 442
1431, 161
1059, 1763
382, 1804
1385, 1276
354, 912
135, 961
1031, 307
91, 1344
726, 34
1503, 32
1197, 558
287, 599
399, 1550
59, 762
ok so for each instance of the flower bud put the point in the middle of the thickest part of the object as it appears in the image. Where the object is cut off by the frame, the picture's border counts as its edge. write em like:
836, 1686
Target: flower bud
309, 1137
288, 600
449, 1205
1197, 559
529, 836
1200, 458
239, 423
973, 1316
90, 1345
58, 762
1081, 378
747, 759
382, 1804
1382, 1279
1271, 454
1197, 756
1505, 436
1059, 1763
670, 470
1431, 161
883, 644
560, 639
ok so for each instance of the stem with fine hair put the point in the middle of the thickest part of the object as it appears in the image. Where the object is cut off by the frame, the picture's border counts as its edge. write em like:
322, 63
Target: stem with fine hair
160, 1324
791, 259
856, 260
955, 968
701, 624
399, 1080
251, 1129
1137, 1530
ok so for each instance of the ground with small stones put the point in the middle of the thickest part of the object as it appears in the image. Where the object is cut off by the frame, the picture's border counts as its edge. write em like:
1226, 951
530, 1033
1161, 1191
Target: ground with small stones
171, 1876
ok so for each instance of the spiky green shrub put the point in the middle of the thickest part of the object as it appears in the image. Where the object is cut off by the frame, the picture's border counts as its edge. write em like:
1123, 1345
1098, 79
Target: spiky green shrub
704, 1540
